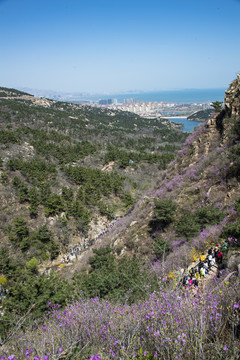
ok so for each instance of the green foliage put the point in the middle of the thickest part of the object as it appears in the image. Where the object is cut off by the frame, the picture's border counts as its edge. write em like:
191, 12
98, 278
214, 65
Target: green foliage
236, 132
7, 266
64, 153
187, 225
164, 211
232, 230
124, 158
94, 181
237, 205
21, 188
78, 210
19, 231
34, 199
4, 179
217, 105
208, 215
8, 137
54, 205
45, 192
202, 115
44, 234
161, 247
35, 171
40, 242
123, 279
29, 292
105, 210
67, 194
128, 201
32, 265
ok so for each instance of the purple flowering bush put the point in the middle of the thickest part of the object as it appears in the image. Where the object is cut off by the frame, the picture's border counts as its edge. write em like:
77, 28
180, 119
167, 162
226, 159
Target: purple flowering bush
186, 323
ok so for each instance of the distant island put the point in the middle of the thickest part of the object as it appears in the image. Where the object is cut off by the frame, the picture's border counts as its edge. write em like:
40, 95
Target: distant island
201, 115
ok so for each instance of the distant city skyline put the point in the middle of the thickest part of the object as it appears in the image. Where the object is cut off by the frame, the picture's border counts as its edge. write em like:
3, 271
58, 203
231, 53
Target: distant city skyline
112, 47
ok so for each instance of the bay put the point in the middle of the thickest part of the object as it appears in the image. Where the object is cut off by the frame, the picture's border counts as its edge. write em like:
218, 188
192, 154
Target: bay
188, 125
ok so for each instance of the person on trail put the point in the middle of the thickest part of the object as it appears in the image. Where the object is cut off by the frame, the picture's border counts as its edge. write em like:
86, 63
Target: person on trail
210, 257
202, 272
202, 257
200, 265
195, 282
197, 275
191, 273
206, 267
210, 251
220, 257
213, 262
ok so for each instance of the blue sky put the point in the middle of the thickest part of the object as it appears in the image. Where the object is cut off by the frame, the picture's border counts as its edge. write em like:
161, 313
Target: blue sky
101, 46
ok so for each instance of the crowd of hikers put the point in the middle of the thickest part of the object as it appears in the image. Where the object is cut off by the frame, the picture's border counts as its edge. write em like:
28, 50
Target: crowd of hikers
213, 259
78, 248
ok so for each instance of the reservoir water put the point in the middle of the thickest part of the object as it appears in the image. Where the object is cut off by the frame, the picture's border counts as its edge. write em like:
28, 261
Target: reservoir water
188, 125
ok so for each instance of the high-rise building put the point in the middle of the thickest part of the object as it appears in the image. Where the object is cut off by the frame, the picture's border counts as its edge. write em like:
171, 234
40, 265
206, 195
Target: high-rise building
105, 102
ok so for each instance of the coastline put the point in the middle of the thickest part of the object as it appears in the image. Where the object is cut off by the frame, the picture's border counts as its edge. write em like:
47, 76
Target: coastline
175, 117
183, 117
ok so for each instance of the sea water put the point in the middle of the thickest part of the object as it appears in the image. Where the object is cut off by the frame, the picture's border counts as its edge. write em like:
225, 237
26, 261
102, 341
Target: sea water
174, 96
188, 125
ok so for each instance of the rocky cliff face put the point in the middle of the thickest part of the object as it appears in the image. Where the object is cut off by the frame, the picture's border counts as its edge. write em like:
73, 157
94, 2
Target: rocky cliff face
232, 99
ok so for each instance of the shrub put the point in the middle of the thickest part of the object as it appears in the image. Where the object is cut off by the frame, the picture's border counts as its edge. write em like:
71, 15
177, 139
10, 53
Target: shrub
232, 230
187, 225
163, 212
19, 231
161, 247
32, 265
208, 215
123, 279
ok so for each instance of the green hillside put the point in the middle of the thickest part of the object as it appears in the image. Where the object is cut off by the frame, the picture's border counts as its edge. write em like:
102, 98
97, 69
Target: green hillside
201, 115
103, 215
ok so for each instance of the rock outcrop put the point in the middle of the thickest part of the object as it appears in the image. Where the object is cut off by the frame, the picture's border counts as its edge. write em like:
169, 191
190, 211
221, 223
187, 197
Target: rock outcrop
232, 99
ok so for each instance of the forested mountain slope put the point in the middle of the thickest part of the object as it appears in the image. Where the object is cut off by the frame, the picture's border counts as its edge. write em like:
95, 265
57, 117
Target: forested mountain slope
67, 167
122, 297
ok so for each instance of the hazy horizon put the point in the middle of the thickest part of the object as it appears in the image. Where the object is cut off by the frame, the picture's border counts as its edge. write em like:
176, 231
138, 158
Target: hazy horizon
101, 46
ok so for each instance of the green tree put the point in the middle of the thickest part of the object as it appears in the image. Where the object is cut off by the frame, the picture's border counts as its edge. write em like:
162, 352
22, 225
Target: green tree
122, 280
35, 293
161, 247
163, 212
19, 231
44, 234
208, 215
54, 205
217, 105
187, 225
34, 201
